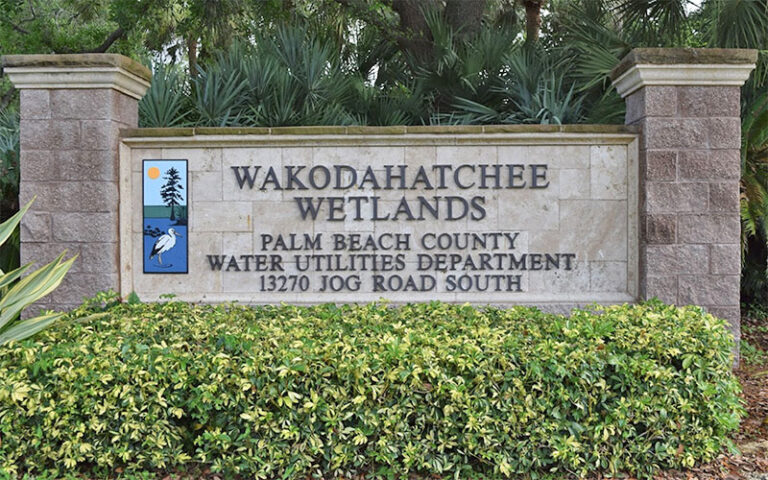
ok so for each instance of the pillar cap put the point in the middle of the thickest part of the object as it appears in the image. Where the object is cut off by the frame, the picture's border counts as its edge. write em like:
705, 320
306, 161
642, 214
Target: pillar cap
78, 71
682, 67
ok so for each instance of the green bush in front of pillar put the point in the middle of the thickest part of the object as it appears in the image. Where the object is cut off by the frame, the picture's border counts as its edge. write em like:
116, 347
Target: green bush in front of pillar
335, 391
21, 287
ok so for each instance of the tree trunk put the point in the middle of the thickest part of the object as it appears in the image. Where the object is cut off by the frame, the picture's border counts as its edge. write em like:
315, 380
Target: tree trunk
417, 40
465, 16
192, 55
532, 20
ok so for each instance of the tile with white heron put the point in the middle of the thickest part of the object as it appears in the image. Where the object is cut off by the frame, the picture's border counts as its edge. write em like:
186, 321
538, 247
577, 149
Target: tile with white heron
165, 216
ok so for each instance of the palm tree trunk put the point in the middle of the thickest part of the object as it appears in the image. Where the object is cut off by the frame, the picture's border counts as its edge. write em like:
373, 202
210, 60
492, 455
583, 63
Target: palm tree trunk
532, 20
192, 55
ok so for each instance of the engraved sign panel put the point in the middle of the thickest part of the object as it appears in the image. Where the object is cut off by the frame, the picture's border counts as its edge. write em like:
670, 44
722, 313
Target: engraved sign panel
497, 219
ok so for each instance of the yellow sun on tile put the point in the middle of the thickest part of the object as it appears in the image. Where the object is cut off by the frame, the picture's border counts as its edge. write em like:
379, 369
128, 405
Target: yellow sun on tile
153, 172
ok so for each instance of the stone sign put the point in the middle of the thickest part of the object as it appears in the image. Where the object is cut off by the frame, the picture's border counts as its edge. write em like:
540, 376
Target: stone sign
554, 216
335, 216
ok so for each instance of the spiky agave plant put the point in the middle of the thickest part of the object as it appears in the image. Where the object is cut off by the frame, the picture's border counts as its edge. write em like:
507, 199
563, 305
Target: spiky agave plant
290, 78
166, 103
218, 96
376, 105
299, 79
529, 92
17, 293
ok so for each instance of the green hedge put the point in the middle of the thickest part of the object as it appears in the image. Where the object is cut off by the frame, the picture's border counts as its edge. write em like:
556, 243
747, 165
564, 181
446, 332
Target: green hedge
290, 392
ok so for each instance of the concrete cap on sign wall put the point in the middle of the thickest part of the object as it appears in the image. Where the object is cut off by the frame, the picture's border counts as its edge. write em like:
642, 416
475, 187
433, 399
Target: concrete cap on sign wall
682, 67
78, 71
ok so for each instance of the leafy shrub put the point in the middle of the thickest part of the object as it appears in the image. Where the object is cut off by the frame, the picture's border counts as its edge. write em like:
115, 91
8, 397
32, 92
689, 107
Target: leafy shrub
295, 392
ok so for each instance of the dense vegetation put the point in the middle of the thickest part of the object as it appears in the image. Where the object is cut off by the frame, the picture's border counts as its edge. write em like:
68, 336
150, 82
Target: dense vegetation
383, 62
290, 392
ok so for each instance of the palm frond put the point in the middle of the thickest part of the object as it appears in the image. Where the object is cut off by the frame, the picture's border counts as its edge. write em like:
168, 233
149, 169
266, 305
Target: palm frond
654, 22
738, 23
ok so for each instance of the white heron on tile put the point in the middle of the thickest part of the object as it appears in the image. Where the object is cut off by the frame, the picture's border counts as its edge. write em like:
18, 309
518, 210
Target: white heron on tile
163, 244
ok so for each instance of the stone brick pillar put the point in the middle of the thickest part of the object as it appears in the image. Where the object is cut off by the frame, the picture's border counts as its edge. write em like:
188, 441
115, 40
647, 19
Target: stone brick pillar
687, 102
72, 107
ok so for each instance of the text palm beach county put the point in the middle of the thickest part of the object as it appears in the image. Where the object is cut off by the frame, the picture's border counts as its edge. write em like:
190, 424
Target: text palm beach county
453, 178
388, 272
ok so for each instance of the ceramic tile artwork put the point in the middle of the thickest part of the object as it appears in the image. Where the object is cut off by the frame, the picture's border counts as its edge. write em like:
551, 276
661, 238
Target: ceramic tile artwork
165, 213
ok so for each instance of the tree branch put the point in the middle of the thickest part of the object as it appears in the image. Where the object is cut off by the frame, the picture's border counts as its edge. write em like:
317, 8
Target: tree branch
19, 29
112, 38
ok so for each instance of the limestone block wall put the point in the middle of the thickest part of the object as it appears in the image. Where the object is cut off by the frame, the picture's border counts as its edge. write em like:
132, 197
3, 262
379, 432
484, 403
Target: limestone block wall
690, 170
72, 110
